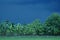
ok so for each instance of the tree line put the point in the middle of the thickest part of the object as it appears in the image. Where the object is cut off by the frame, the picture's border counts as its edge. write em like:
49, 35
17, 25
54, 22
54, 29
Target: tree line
50, 27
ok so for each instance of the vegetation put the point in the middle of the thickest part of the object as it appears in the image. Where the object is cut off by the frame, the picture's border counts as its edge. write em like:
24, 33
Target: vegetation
53, 25
31, 38
50, 27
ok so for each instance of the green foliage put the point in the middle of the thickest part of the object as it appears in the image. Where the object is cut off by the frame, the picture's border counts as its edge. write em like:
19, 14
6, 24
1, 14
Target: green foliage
51, 27
29, 29
4, 27
38, 27
53, 24
19, 29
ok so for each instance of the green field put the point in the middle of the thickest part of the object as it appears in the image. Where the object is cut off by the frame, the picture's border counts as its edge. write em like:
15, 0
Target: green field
31, 38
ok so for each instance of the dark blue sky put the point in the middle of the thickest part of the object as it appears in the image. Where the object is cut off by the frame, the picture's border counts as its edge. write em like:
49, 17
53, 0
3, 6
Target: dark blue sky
25, 11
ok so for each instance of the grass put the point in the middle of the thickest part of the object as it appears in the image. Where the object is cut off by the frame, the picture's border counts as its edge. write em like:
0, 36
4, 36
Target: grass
31, 38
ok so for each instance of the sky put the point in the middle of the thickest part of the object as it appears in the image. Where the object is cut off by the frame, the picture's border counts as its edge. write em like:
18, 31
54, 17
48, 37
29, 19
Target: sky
26, 11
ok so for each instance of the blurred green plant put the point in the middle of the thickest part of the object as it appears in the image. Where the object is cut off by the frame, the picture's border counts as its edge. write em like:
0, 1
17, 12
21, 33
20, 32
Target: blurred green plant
50, 27
53, 24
